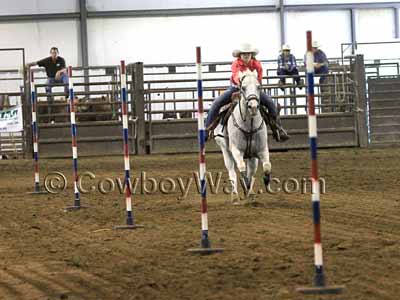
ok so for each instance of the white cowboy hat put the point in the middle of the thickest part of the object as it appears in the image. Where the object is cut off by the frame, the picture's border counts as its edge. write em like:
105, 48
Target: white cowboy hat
315, 44
285, 47
245, 48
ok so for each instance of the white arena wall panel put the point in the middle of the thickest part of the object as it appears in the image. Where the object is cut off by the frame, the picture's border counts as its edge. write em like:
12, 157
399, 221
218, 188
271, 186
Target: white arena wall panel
305, 2
38, 37
173, 39
103, 5
19, 7
374, 25
329, 28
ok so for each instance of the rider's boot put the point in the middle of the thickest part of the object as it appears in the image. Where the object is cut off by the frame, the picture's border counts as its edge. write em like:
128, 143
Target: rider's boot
206, 135
279, 134
282, 132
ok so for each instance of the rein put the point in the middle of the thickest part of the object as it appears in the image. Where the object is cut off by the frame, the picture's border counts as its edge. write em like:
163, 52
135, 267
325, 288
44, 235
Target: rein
248, 134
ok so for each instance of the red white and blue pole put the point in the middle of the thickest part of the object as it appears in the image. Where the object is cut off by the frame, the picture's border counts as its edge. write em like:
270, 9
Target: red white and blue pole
130, 221
35, 135
125, 126
319, 277
77, 201
205, 242
315, 196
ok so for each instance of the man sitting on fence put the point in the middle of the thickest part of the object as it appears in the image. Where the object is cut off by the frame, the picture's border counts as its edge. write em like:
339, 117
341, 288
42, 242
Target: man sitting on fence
55, 69
287, 66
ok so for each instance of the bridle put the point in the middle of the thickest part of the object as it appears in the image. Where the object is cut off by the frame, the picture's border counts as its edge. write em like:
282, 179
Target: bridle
247, 98
248, 134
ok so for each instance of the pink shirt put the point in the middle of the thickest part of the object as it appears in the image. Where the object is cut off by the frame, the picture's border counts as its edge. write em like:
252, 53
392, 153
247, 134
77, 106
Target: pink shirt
239, 65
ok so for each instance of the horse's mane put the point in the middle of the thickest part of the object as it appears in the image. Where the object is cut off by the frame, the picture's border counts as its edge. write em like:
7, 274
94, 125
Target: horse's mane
248, 73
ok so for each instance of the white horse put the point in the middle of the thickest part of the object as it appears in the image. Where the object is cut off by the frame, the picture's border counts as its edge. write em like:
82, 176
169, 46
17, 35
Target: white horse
244, 140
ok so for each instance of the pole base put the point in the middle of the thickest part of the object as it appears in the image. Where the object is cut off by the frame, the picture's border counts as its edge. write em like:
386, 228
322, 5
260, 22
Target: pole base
40, 192
205, 251
74, 208
318, 290
128, 227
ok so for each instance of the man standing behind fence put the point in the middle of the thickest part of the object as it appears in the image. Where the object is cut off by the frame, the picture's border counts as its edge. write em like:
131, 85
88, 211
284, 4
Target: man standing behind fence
321, 68
55, 69
321, 65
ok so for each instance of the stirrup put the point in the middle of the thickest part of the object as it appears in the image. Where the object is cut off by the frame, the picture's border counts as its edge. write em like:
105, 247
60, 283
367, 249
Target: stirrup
283, 136
209, 134
275, 133
278, 133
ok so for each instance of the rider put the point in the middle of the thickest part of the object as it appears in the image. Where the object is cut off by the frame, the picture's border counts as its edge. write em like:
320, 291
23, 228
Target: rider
246, 60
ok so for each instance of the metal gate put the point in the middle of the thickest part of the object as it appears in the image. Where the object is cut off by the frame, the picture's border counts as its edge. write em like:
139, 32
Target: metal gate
170, 108
384, 110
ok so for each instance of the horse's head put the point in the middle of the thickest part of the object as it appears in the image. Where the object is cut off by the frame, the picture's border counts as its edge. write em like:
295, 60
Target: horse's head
250, 91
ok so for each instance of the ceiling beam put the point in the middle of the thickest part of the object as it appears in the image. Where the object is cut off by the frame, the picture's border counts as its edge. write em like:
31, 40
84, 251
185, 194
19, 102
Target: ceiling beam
313, 7
38, 17
198, 11
181, 12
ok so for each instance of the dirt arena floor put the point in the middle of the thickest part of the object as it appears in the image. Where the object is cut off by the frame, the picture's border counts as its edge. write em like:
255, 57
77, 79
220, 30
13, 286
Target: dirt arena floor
46, 253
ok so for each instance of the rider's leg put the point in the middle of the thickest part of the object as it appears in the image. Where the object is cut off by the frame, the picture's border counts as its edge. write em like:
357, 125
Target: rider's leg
216, 106
280, 134
218, 103
269, 104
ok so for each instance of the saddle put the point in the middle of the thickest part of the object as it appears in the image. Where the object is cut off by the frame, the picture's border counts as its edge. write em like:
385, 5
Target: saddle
224, 114
226, 111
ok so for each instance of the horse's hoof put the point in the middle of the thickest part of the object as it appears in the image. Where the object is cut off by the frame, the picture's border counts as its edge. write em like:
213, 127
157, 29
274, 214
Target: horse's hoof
267, 179
235, 199
251, 200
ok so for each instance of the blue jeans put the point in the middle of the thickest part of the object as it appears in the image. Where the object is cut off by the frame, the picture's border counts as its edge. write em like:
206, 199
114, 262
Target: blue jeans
223, 99
294, 73
63, 79
322, 70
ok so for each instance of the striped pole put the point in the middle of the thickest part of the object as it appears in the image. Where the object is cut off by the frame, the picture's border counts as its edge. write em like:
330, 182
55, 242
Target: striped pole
130, 221
35, 136
205, 242
315, 195
77, 201
319, 278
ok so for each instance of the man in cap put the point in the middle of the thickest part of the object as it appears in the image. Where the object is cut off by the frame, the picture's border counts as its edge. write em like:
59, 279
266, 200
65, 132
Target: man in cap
320, 61
245, 60
287, 66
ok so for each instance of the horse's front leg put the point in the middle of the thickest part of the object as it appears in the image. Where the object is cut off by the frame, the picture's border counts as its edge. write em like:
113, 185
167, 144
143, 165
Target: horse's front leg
252, 164
251, 170
266, 164
241, 165
230, 166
